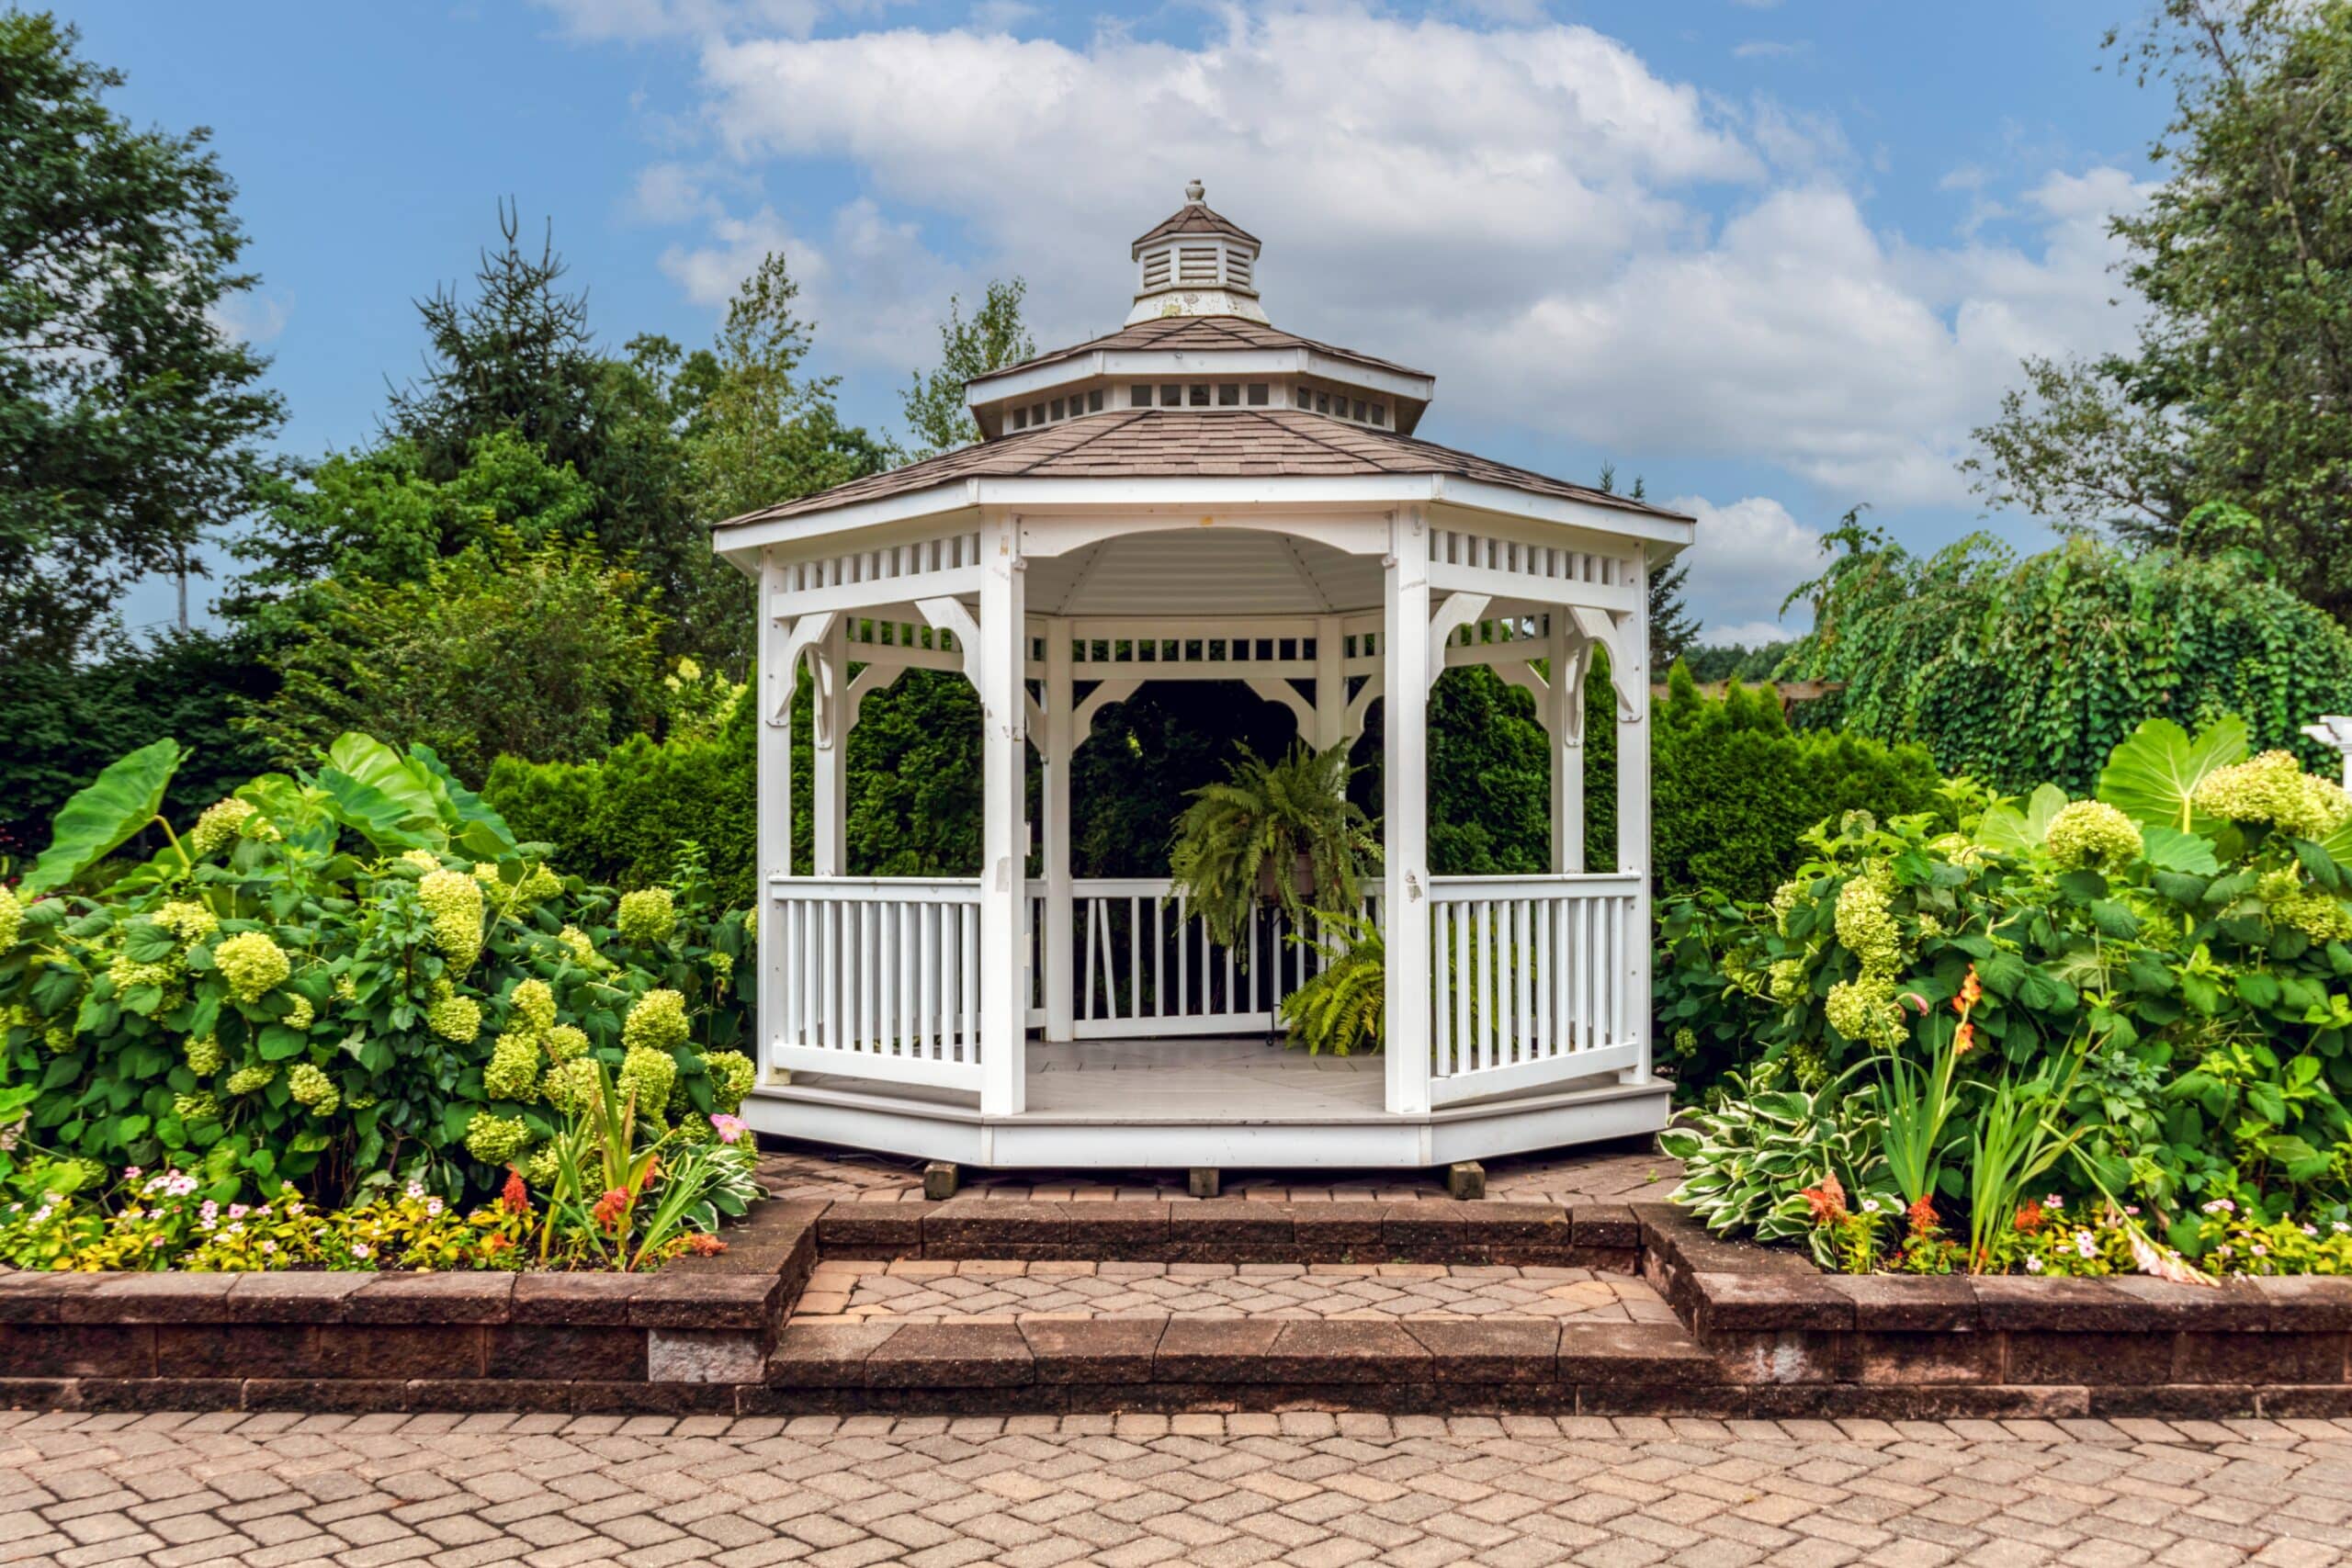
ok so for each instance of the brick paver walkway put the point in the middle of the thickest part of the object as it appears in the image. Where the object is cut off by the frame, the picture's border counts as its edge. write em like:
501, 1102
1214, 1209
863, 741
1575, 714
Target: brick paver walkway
1313, 1491
1611, 1173
993, 1290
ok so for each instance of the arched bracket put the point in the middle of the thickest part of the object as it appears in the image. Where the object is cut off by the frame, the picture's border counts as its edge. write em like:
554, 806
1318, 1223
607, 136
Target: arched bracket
870, 680
1454, 612
1276, 689
807, 631
1360, 704
949, 616
1105, 693
1601, 626
1573, 667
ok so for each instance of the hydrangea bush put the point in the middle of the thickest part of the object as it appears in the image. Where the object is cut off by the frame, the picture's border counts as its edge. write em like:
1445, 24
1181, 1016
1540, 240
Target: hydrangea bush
2172, 959
345, 979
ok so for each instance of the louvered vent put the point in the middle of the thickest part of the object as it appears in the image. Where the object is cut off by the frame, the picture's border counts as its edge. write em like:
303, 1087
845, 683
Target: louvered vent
1155, 269
1237, 267
1196, 266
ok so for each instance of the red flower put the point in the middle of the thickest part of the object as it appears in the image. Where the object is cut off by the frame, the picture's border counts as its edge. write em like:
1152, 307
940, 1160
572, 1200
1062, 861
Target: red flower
515, 1198
1827, 1200
1970, 991
2029, 1217
1922, 1215
610, 1207
702, 1244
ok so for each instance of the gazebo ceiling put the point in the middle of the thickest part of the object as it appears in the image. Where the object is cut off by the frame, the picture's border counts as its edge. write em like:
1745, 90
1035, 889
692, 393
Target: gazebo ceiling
1204, 572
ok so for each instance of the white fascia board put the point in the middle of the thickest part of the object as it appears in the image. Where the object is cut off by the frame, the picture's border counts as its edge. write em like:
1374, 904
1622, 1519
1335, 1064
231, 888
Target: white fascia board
1152, 364
1194, 493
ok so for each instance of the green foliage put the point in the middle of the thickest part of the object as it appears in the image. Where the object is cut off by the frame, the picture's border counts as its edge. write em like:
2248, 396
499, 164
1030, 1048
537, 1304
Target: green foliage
2019, 672
937, 417
543, 650
2179, 995
1267, 829
130, 425
1748, 1160
293, 992
1733, 786
118, 803
2237, 388
1342, 1009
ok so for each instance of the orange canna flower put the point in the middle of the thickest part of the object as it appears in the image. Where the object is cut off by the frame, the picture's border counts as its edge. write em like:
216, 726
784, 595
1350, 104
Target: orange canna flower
1963, 1039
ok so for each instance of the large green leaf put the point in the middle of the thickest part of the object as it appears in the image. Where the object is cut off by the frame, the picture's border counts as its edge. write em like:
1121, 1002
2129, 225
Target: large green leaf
2006, 827
387, 772
470, 820
2151, 776
382, 820
118, 803
2170, 849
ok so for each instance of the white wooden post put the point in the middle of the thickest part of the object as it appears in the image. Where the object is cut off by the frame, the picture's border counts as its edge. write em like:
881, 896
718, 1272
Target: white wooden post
1331, 683
1060, 743
1004, 953
1630, 667
1405, 910
828, 753
1564, 722
774, 795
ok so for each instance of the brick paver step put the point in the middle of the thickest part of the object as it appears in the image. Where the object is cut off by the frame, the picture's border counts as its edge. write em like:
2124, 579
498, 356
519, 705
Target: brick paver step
918, 1290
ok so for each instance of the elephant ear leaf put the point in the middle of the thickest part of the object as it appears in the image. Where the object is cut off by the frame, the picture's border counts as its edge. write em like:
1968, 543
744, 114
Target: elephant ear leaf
385, 822
2151, 776
116, 804
471, 820
385, 770
2006, 827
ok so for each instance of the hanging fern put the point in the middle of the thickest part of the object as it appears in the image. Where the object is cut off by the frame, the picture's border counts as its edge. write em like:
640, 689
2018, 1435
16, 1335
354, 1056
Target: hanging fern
1342, 1009
1242, 840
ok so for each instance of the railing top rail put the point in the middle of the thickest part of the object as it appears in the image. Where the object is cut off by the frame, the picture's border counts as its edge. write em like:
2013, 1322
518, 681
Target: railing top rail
1122, 886
878, 889
1599, 884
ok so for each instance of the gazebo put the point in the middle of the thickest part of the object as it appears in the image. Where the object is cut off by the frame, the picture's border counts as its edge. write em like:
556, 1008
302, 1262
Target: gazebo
1198, 496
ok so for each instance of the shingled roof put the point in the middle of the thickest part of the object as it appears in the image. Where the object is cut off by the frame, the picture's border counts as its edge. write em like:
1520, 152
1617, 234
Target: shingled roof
1194, 218
1195, 332
1172, 443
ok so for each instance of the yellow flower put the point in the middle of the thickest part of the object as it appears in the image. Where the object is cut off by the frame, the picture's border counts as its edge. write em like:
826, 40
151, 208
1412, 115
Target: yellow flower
454, 901
253, 964
657, 1022
647, 917
455, 1018
2092, 833
221, 822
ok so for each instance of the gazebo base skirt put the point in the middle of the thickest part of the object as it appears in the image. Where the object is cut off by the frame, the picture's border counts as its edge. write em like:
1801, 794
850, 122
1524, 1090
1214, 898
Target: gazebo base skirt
1178, 1103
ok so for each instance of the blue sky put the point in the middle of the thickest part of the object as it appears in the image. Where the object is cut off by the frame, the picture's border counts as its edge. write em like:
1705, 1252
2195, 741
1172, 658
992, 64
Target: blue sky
1776, 258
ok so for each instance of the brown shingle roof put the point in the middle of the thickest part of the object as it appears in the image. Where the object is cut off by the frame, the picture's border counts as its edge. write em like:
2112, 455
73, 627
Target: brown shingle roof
1172, 443
1195, 332
1194, 218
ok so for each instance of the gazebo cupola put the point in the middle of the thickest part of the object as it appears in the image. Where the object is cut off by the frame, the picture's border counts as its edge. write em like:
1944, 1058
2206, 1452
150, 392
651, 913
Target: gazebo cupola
1196, 262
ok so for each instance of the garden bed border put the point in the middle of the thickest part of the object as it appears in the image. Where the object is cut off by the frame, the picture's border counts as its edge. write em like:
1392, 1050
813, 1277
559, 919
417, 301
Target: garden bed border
1763, 1332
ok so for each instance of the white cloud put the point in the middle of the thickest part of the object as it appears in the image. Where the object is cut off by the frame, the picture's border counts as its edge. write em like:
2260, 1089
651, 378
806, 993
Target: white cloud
250, 318
1749, 554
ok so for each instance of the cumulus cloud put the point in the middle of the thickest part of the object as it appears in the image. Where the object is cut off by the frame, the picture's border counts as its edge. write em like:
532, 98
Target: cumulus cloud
1750, 554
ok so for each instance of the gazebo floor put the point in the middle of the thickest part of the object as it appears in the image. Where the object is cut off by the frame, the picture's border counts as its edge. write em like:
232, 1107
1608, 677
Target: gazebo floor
1176, 1103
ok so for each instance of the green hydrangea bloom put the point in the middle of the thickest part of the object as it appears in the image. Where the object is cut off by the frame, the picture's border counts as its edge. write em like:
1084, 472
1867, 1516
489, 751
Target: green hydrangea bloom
539, 885
694, 1128
455, 1018
1866, 923
126, 973
1865, 1011
1787, 980
542, 1166
647, 917
12, 918
2314, 911
204, 1056
199, 1107
657, 1022
732, 1077
583, 951
1784, 904
535, 1002
423, 860
251, 1080
751, 925
722, 965
301, 1015
454, 901
310, 1086
565, 1042
514, 1069
186, 920
496, 1140
221, 821
58, 1038
2092, 833
649, 1074
571, 1086
2274, 789
253, 964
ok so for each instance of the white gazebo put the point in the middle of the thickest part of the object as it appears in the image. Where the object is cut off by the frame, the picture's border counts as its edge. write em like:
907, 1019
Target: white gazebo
1198, 496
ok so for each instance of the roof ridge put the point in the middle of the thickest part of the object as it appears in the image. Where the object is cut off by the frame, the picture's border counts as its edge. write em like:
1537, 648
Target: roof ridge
1116, 421
1311, 425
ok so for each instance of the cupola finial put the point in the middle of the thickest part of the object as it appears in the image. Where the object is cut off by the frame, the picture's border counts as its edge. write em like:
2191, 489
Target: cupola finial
1195, 193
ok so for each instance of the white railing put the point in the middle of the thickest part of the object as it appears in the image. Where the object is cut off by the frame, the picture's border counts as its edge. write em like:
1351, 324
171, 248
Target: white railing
879, 977
1142, 963
1531, 981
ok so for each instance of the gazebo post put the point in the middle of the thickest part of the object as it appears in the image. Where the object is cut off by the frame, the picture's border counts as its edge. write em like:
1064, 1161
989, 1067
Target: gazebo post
1060, 741
1330, 681
828, 753
1004, 884
772, 819
1563, 727
1633, 650
1405, 910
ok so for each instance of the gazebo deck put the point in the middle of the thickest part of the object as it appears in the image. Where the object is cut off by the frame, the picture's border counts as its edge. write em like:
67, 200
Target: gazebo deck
1166, 1100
